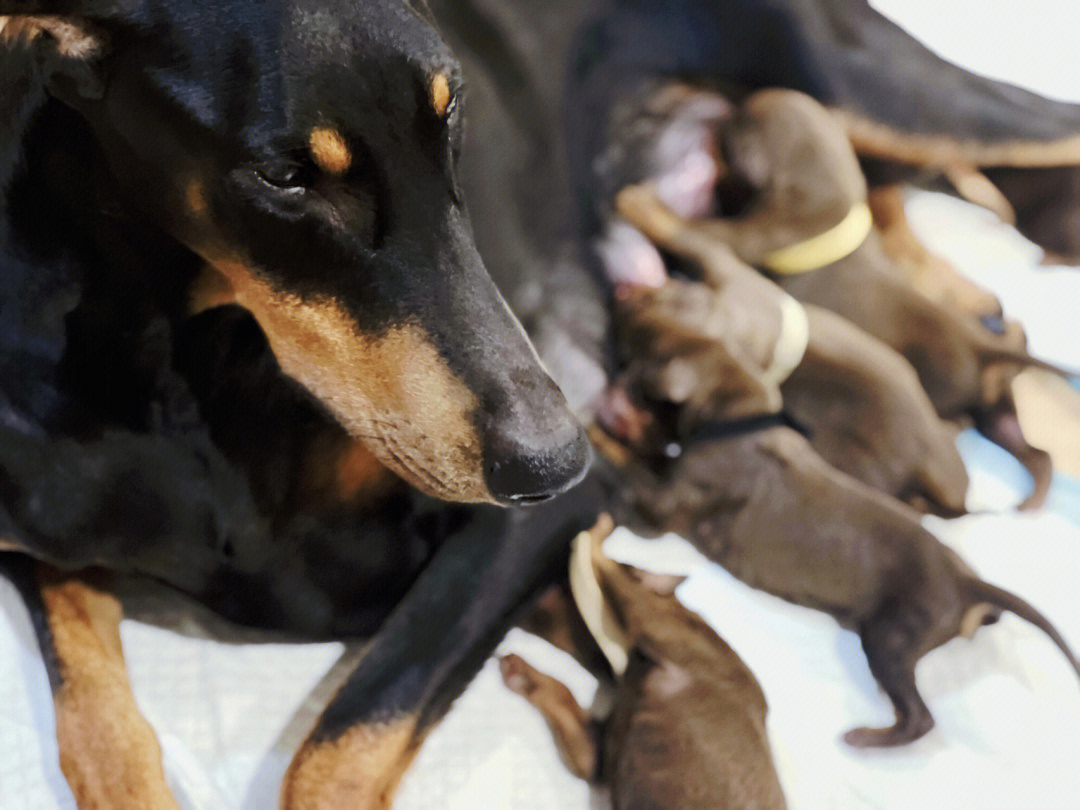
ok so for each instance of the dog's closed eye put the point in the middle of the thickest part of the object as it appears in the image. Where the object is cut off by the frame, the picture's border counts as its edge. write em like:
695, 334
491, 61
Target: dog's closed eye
284, 175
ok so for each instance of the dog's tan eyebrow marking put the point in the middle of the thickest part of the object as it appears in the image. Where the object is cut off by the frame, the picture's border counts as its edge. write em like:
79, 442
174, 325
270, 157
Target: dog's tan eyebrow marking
440, 94
329, 150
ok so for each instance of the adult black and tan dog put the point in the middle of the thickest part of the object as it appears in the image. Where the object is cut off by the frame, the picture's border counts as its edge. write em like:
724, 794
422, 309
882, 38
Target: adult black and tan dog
246, 342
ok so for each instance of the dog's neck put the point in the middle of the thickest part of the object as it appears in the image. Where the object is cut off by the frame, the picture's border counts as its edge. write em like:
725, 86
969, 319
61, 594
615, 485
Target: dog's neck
56, 180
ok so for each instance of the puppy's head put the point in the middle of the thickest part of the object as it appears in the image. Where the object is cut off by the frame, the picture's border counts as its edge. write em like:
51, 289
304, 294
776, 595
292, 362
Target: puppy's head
307, 152
641, 611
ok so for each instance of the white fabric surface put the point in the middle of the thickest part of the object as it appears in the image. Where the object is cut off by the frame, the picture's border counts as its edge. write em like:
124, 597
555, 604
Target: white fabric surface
1007, 705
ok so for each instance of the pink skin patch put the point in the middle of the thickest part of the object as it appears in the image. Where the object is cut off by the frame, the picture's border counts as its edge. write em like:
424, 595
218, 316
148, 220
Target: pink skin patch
688, 188
629, 258
685, 177
685, 156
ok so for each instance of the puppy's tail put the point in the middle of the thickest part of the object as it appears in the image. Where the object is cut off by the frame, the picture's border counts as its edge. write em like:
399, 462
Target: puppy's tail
1021, 357
984, 592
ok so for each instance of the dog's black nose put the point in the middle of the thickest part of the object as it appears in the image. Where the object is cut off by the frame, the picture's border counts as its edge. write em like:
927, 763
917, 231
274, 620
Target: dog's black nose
530, 467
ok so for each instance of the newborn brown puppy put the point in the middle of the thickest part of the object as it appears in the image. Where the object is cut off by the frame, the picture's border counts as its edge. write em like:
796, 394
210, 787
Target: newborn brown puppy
807, 222
763, 504
687, 729
725, 351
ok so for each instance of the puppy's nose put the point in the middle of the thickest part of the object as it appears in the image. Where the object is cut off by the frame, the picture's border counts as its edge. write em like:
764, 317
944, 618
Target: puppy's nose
528, 467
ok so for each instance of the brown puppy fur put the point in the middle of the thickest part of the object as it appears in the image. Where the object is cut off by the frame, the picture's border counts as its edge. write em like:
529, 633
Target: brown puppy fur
706, 348
687, 728
764, 505
805, 178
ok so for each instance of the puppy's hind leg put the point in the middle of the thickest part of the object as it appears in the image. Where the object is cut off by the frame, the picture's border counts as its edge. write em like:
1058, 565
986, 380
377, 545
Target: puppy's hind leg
1001, 426
108, 753
892, 650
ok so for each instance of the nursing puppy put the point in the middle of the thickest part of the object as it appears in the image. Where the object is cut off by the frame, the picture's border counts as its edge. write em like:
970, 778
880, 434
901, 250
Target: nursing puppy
687, 728
738, 346
805, 220
759, 501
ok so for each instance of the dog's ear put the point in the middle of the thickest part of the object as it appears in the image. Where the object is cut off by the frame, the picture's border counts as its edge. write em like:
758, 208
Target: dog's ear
68, 39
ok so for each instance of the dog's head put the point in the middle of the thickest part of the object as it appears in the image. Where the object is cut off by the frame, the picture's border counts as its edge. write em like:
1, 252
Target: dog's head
306, 151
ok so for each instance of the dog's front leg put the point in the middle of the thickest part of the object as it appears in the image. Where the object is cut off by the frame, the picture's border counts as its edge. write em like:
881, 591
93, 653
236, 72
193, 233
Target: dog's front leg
108, 752
429, 649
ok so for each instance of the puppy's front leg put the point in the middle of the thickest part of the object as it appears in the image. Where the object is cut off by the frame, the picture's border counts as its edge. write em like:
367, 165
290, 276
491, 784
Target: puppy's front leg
429, 649
108, 752
575, 732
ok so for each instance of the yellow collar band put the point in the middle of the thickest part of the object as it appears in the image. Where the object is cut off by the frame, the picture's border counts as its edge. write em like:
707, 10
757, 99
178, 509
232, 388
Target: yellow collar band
835, 244
595, 611
792, 343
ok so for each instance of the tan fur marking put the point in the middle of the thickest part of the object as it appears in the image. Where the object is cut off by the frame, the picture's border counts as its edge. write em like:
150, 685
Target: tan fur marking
609, 448
974, 619
72, 40
976, 188
394, 392
360, 770
873, 139
329, 150
440, 94
8, 545
210, 289
339, 470
108, 752
195, 197
358, 470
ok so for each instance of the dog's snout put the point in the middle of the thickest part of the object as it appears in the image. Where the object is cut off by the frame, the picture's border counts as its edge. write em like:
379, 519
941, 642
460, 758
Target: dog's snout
529, 460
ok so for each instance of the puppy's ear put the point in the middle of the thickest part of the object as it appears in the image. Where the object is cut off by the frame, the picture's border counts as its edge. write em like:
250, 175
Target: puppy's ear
715, 382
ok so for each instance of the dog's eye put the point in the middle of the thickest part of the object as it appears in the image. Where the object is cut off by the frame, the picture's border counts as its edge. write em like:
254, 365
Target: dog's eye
451, 108
283, 175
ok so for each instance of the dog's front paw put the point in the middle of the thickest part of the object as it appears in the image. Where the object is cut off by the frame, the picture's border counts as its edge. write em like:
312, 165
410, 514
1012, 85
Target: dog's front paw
360, 769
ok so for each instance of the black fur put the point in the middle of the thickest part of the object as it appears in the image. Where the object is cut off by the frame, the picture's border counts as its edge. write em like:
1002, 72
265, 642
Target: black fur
140, 438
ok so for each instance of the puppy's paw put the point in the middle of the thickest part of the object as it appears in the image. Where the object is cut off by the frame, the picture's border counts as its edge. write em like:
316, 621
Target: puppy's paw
517, 675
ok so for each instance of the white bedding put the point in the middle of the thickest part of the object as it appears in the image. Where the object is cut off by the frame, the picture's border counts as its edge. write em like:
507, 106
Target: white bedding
1007, 705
